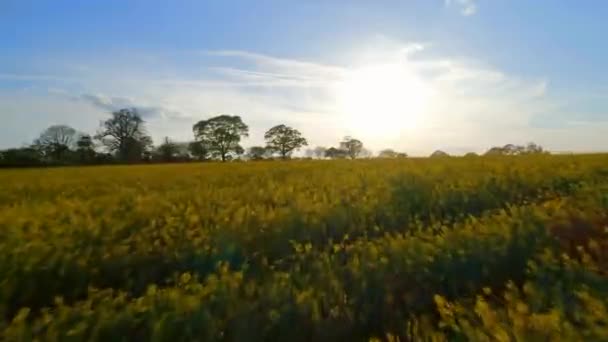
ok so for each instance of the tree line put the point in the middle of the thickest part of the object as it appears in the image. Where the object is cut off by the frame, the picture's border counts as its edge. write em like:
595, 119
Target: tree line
123, 138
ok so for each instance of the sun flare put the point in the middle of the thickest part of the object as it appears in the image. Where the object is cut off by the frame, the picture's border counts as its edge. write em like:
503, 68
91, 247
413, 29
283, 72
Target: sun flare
382, 100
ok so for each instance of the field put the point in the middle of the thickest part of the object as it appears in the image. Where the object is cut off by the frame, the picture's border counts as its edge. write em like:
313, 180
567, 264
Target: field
481, 249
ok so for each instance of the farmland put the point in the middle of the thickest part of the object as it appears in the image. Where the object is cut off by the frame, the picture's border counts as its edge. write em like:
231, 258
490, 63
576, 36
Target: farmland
481, 248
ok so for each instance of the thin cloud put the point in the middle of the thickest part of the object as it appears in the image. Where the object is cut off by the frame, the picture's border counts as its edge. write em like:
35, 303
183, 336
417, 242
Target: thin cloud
467, 7
111, 104
283, 66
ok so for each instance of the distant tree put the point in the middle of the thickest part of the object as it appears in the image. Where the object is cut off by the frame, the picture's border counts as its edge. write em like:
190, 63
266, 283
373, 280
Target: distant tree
284, 140
198, 150
19, 157
138, 149
221, 135
257, 153
104, 158
365, 153
335, 153
495, 151
352, 147
514, 150
125, 135
387, 153
471, 155
182, 152
85, 149
510, 149
168, 151
439, 154
56, 141
401, 155
319, 152
533, 148
309, 153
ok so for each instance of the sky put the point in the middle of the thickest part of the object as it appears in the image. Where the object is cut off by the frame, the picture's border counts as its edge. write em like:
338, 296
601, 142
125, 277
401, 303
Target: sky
415, 76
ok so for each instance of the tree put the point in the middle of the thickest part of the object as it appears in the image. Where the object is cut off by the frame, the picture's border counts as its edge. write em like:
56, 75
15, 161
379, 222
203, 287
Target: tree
533, 148
257, 152
284, 140
495, 151
471, 155
222, 135
365, 153
85, 149
198, 150
125, 135
56, 141
182, 151
138, 149
387, 153
319, 152
439, 154
514, 150
167, 151
351, 146
19, 157
335, 153
309, 153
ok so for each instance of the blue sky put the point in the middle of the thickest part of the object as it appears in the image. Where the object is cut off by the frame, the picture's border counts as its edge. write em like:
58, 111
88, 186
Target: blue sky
470, 73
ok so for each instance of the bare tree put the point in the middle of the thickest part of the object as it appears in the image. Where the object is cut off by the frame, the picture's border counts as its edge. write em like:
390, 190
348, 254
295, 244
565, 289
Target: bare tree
125, 134
55, 141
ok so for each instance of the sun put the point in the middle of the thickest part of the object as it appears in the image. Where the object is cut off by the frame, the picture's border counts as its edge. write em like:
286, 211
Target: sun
382, 100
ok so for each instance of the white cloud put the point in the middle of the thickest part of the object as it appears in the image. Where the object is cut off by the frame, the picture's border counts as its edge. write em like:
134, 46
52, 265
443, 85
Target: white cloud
467, 7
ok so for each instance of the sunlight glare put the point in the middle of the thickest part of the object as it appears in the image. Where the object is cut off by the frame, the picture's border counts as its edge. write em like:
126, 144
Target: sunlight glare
382, 100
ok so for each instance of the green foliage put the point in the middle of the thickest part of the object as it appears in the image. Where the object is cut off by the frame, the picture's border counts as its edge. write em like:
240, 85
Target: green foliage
21, 157
284, 140
258, 153
168, 151
221, 135
335, 153
393, 249
513, 150
198, 150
